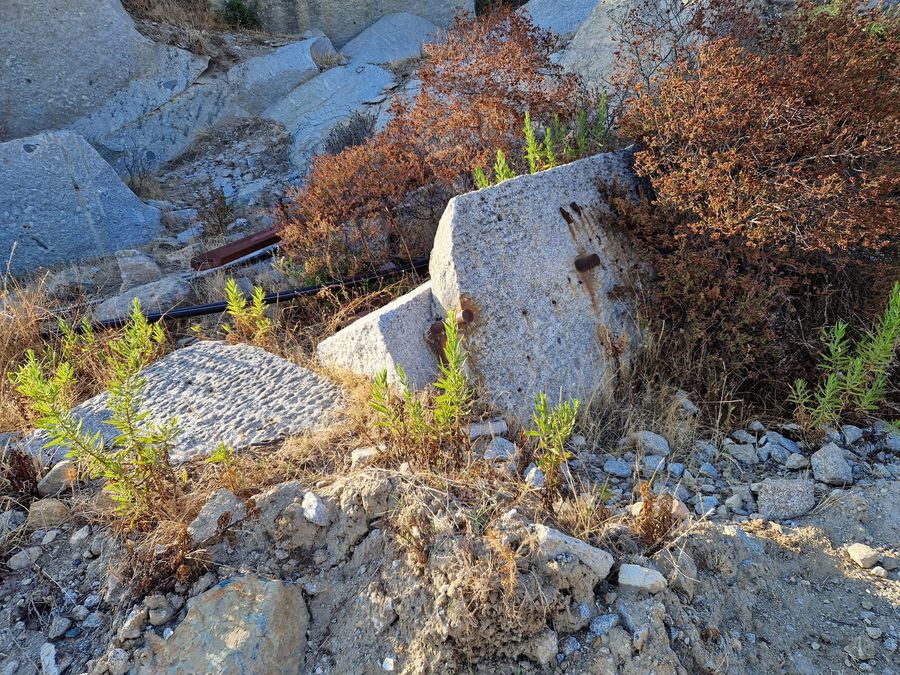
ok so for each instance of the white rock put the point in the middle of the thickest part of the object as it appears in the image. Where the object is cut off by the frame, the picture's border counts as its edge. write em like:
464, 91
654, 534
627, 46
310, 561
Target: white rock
363, 456
552, 543
134, 624
641, 578
136, 268
500, 450
534, 477
80, 536
48, 659
862, 555
315, 510
25, 558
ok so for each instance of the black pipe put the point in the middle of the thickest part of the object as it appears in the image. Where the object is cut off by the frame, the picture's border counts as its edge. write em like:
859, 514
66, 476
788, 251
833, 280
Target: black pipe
416, 265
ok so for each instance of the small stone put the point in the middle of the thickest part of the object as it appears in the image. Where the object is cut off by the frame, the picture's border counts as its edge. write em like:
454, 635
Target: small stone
62, 476
734, 502
387, 664
774, 438
782, 499
861, 648
649, 442
830, 467
618, 467
48, 659
604, 623
879, 571
641, 578
873, 632
569, 645
796, 461
80, 536
118, 661
851, 433
707, 469
223, 509
93, 620
315, 510
46, 513
676, 470
58, 626
363, 456
134, 624
862, 555
25, 558
744, 453
742, 436
652, 465
706, 505
50, 537
494, 427
890, 645
534, 477
542, 648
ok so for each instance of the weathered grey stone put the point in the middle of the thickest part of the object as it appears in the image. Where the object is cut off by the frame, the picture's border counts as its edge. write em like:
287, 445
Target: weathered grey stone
61, 477
136, 269
63, 61
742, 452
618, 467
862, 555
649, 442
783, 499
24, 558
243, 625
263, 80
563, 18
343, 20
46, 512
157, 296
391, 336
313, 109
60, 202
393, 37
829, 466
641, 578
506, 257
10, 521
239, 395
223, 509
553, 543
315, 510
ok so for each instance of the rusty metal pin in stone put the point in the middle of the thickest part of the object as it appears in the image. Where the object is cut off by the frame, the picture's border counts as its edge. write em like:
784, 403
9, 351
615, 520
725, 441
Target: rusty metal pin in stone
586, 262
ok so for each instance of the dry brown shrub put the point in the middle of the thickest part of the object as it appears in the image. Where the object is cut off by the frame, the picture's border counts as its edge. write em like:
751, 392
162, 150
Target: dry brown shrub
656, 520
775, 178
382, 198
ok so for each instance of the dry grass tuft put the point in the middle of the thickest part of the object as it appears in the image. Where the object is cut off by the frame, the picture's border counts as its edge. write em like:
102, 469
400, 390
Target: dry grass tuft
656, 519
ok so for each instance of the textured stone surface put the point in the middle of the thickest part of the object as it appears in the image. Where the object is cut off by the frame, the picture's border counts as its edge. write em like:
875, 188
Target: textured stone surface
392, 38
62, 61
221, 510
46, 512
782, 499
60, 202
262, 80
343, 20
641, 578
234, 394
391, 336
553, 543
862, 555
830, 466
507, 254
563, 18
242, 625
157, 296
313, 109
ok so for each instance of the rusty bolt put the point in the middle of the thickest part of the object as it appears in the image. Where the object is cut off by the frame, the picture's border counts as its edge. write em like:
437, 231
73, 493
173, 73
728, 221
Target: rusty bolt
583, 263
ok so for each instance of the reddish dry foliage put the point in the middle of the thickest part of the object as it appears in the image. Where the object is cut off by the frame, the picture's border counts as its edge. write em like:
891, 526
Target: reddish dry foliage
656, 520
777, 185
382, 197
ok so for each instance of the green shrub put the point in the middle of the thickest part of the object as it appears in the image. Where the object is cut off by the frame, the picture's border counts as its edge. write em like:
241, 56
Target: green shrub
135, 464
249, 322
241, 14
552, 428
855, 375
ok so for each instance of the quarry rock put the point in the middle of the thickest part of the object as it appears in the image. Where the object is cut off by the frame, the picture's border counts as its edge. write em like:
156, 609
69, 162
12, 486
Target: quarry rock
561, 18
782, 499
509, 256
156, 296
313, 109
553, 543
263, 80
62, 476
342, 21
267, 398
391, 336
392, 38
829, 466
60, 202
641, 578
241, 625
221, 510
65, 61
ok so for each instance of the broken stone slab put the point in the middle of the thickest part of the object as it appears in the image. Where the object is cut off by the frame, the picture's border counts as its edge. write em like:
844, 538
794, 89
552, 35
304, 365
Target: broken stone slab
238, 395
341, 21
60, 202
391, 336
392, 38
242, 625
540, 282
313, 109
562, 18
553, 543
641, 578
63, 61
263, 80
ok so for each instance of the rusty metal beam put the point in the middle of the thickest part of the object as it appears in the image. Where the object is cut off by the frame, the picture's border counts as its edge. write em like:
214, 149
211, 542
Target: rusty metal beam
235, 250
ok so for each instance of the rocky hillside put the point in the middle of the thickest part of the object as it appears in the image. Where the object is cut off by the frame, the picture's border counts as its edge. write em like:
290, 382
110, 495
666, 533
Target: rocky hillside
575, 420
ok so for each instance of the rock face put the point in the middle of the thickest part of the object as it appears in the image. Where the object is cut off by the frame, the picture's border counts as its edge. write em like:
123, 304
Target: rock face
391, 336
243, 625
60, 202
561, 18
63, 61
392, 38
343, 20
591, 54
537, 277
234, 394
